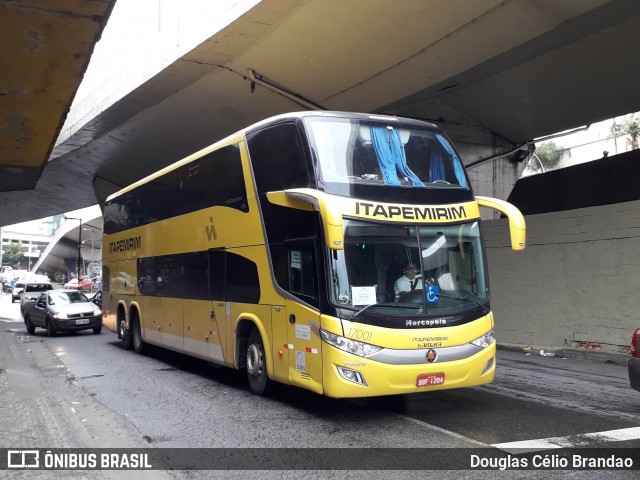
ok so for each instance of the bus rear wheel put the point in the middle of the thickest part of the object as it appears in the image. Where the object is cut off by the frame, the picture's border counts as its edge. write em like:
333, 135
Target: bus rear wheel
136, 333
256, 364
124, 334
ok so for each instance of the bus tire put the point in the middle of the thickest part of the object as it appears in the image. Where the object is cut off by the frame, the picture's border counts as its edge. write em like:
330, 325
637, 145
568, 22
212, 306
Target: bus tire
256, 364
136, 334
125, 334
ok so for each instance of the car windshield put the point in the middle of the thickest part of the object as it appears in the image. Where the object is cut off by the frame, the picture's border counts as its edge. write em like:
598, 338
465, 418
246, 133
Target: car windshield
38, 287
384, 152
408, 271
62, 298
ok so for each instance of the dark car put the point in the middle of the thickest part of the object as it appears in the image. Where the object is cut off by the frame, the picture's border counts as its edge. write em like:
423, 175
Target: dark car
634, 363
32, 291
62, 311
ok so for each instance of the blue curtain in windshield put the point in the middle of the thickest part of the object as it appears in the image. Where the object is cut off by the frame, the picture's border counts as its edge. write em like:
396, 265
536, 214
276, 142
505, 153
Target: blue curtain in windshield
457, 165
390, 153
436, 166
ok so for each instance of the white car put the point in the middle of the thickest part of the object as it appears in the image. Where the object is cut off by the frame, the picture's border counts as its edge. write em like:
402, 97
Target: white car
17, 291
32, 291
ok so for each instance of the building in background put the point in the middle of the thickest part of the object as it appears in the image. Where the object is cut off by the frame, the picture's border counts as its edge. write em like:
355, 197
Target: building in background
33, 245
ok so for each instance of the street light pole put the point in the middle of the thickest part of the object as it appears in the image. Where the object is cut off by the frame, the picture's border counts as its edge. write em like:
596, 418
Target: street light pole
92, 264
79, 259
90, 230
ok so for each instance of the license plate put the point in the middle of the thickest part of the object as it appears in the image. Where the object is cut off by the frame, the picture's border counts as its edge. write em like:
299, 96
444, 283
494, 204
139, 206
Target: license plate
430, 379
82, 321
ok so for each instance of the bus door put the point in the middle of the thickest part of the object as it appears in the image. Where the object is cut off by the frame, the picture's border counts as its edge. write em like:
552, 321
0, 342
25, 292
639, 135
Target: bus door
305, 362
217, 303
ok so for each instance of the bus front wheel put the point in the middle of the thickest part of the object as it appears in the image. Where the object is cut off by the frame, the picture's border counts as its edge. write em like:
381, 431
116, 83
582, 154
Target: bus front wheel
256, 364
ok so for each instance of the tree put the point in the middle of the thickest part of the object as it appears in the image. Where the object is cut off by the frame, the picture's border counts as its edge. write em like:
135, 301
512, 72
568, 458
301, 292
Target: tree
13, 253
546, 157
629, 127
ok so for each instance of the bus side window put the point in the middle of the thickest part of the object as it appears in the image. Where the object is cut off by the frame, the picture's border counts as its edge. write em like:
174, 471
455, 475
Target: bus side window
217, 275
302, 271
243, 282
278, 158
106, 279
226, 185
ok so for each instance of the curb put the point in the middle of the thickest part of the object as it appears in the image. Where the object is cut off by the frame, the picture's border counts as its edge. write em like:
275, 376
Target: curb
621, 359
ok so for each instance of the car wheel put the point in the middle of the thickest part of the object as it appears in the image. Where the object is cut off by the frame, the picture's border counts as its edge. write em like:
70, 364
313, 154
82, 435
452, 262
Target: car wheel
31, 328
51, 330
138, 344
256, 364
97, 329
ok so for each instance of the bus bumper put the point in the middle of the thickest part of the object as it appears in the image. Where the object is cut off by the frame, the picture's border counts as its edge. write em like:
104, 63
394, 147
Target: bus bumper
371, 378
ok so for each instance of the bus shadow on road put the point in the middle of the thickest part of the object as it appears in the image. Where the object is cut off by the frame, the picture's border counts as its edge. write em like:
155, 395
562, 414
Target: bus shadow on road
291, 396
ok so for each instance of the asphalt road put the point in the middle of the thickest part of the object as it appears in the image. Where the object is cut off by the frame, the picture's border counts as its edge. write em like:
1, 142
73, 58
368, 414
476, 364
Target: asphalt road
84, 390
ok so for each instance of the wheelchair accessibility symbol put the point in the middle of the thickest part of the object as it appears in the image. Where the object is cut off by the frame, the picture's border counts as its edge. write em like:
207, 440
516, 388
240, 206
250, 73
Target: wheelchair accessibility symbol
432, 293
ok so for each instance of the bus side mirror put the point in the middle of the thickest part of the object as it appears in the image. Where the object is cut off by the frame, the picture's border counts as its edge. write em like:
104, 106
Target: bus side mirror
309, 199
517, 225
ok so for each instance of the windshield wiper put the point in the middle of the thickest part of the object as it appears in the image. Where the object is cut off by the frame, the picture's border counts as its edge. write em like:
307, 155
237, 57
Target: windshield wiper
458, 297
392, 305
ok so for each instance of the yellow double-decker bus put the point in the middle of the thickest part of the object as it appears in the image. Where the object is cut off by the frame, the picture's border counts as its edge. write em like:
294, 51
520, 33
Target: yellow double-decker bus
338, 252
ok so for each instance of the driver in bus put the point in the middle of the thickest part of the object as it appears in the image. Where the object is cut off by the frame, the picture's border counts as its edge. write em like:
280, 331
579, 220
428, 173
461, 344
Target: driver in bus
408, 282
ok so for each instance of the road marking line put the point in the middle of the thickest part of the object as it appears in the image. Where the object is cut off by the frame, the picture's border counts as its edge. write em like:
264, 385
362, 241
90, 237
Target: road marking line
441, 430
620, 435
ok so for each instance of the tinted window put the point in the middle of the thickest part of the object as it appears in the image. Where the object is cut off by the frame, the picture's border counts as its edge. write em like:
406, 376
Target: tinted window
105, 279
294, 268
226, 179
217, 275
38, 287
215, 179
278, 159
302, 271
243, 284
179, 276
198, 275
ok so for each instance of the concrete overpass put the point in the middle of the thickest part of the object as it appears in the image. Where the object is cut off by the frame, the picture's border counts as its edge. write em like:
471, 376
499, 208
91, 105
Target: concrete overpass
44, 54
494, 73
80, 236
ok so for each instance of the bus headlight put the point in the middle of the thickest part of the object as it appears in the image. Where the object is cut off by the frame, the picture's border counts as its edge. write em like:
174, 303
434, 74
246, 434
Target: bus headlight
485, 340
348, 345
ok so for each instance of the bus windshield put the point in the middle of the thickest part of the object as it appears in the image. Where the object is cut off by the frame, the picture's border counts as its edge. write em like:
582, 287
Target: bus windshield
383, 152
392, 270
